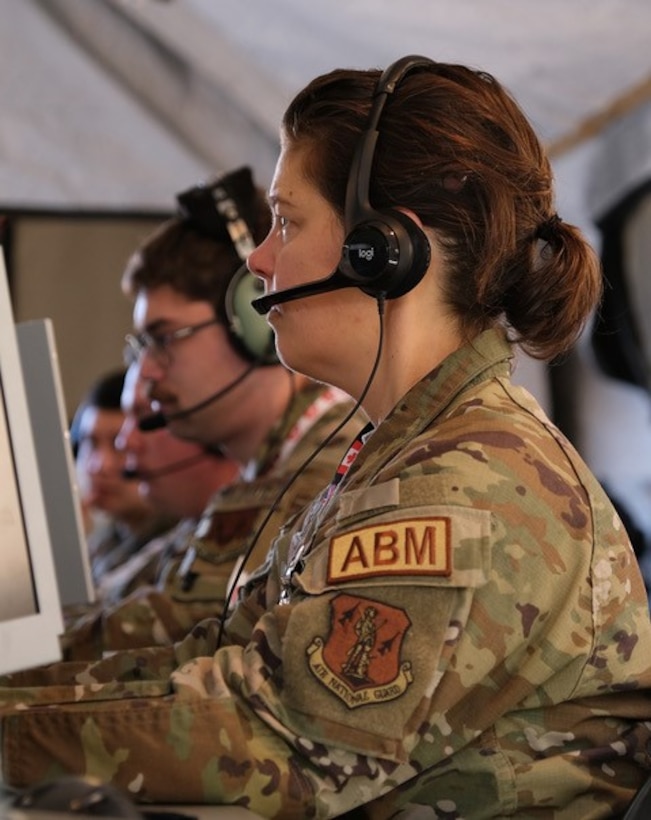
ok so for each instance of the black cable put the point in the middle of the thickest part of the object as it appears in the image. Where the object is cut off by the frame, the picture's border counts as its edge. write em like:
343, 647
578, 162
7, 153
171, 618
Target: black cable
381, 300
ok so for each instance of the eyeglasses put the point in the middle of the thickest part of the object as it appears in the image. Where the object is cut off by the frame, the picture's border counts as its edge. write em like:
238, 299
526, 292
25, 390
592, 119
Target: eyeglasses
158, 344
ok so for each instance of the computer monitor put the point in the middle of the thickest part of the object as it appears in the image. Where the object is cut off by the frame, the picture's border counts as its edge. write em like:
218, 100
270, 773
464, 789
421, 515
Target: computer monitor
30, 610
47, 410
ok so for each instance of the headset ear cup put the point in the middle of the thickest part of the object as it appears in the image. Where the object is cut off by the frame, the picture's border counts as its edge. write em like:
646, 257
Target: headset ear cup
386, 254
414, 258
250, 332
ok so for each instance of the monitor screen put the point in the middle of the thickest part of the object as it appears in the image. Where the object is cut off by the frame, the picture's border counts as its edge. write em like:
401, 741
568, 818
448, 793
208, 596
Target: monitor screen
47, 410
30, 611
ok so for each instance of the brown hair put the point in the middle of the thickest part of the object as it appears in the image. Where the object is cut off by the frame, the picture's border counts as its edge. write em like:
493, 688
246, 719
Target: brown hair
195, 255
456, 149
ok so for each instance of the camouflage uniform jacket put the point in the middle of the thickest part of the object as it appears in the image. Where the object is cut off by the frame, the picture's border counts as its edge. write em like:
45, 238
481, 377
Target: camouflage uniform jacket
146, 565
460, 631
144, 568
193, 580
112, 544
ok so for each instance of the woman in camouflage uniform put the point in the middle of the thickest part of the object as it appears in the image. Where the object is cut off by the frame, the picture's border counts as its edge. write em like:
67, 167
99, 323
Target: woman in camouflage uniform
456, 627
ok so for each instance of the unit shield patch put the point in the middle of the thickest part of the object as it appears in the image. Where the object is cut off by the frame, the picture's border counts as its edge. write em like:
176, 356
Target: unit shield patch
359, 661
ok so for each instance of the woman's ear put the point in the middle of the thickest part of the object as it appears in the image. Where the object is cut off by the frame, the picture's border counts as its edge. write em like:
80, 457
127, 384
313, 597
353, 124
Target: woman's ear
412, 215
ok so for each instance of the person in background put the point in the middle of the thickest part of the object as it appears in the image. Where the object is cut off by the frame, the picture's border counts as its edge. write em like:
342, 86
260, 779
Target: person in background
119, 521
175, 476
178, 478
207, 361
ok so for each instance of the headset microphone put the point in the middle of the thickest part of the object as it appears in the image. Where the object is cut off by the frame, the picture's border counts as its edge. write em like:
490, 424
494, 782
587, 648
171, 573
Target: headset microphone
133, 474
158, 420
335, 281
154, 422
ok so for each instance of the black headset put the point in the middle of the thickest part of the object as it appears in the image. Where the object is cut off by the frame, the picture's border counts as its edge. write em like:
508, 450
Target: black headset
385, 253
218, 210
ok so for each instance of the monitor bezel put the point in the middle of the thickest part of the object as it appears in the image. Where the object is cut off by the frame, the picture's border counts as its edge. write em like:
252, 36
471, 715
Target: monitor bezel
32, 639
39, 359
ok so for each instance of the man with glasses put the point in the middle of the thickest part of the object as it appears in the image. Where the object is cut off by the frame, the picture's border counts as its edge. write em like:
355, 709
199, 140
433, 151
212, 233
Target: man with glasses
207, 361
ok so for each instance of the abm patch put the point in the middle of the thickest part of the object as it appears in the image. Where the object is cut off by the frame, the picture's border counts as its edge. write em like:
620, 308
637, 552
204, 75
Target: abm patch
413, 546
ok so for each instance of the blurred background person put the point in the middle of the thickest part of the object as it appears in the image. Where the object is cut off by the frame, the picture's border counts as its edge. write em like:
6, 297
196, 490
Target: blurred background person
118, 519
176, 477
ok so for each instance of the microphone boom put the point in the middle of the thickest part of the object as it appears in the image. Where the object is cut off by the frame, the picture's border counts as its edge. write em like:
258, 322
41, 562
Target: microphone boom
158, 420
336, 281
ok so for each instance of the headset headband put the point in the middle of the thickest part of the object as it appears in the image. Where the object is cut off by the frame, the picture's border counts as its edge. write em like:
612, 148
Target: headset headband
358, 204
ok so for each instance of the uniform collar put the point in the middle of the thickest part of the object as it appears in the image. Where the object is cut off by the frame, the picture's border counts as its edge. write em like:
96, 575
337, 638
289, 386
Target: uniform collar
487, 356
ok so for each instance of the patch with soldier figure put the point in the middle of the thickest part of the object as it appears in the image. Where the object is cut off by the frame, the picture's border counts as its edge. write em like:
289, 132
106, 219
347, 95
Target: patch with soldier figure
359, 660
